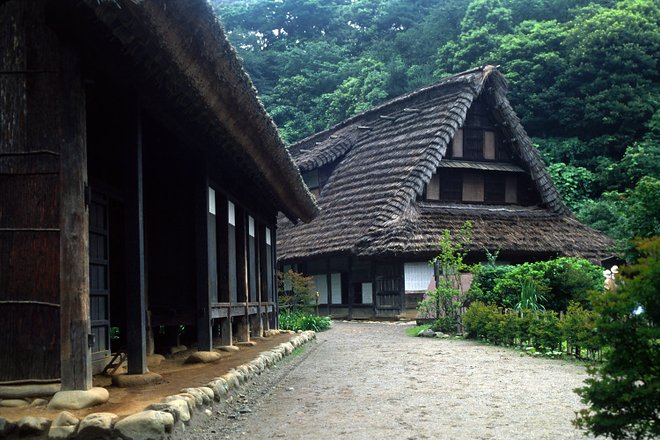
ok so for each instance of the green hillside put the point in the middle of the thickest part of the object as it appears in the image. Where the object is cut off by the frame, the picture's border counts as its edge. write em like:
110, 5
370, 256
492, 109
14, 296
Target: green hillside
583, 78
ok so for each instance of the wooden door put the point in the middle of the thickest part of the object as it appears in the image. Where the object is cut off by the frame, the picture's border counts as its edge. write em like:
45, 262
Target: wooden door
388, 282
99, 276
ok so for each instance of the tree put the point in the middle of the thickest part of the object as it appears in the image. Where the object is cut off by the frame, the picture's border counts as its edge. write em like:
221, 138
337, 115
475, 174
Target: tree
623, 393
296, 291
444, 302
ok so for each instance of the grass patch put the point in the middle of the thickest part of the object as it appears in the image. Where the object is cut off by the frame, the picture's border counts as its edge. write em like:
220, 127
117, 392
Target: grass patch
413, 331
297, 351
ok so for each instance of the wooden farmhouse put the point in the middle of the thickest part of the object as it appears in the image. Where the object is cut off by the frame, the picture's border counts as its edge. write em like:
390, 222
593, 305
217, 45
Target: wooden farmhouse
140, 183
389, 181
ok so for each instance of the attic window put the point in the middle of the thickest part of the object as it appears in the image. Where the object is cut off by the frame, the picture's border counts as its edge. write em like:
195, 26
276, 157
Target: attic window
474, 144
470, 186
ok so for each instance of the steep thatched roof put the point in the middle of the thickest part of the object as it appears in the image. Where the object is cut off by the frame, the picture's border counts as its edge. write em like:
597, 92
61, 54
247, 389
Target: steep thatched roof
384, 157
184, 64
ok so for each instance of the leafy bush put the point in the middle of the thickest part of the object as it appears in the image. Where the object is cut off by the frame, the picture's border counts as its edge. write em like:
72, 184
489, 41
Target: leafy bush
624, 392
445, 324
484, 281
556, 283
477, 317
579, 330
543, 330
297, 320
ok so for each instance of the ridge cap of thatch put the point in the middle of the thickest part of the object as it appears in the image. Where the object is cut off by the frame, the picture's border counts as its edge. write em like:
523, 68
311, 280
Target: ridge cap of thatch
213, 68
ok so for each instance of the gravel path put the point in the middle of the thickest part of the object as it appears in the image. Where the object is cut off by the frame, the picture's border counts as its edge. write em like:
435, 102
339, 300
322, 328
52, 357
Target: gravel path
371, 381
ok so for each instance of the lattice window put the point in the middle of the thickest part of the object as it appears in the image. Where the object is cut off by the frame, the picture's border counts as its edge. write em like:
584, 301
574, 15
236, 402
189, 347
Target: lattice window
473, 143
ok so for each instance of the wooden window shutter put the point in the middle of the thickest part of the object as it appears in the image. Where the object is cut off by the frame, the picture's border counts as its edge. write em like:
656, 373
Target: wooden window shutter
457, 144
489, 145
473, 187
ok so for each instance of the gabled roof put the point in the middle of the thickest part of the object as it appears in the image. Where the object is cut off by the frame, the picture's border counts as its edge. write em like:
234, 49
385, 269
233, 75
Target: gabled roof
185, 68
382, 160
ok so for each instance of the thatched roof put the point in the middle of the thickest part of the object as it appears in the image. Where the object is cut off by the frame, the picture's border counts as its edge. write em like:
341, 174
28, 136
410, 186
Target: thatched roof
184, 67
384, 157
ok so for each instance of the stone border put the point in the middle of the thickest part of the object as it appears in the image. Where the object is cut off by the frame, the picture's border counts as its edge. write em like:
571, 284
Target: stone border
158, 420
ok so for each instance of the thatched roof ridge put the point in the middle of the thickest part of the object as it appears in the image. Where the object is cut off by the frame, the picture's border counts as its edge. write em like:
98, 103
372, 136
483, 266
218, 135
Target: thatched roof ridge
383, 158
181, 45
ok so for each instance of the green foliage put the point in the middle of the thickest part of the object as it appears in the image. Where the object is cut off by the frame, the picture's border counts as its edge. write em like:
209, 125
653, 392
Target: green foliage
625, 215
445, 324
574, 333
573, 183
296, 291
583, 76
554, 283
579, 329
623, 393
301, 321
530, 298
443, 304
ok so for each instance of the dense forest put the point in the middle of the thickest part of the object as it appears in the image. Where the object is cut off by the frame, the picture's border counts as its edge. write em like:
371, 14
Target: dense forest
583, 75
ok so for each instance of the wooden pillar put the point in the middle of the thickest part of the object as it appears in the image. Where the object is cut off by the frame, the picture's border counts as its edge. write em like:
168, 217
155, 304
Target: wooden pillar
328, 284
75, 328
225, 331
242, 328
135, 269
275, 298
204, 330
351, 293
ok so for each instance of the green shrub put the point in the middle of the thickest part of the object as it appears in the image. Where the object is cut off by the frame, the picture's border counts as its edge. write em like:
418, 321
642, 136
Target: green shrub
556, 282
476, 317
570, 279
544, 331
578, 329
624, 392
483, 284
297, 320
445, 324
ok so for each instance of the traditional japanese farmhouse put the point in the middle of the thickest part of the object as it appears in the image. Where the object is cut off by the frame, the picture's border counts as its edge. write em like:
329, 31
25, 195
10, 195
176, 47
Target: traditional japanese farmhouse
140, 182
389, 181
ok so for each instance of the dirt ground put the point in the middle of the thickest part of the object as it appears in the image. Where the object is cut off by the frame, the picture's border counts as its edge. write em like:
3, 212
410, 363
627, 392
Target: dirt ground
176, 375
371, 381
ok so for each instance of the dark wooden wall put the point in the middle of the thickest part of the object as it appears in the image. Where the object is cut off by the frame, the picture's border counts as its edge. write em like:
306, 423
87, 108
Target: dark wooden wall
30, 81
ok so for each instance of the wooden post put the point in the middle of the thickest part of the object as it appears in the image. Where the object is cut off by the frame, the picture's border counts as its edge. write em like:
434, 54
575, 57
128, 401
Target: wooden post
135, 282
242, 328
225, 331
328, 285
351, 293
204, 331
75, 328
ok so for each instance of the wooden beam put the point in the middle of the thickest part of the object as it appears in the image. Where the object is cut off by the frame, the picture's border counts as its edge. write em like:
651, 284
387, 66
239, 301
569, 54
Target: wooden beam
135, 269
75, 351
